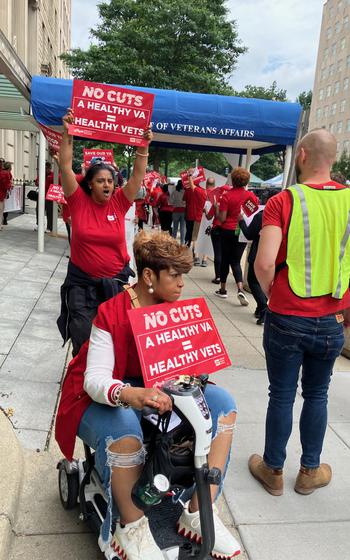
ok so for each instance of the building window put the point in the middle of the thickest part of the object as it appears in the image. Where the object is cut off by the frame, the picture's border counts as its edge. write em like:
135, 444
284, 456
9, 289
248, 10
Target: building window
329, 32
346, 84
328, 91
326, 53
342, 106
321, 94
326, 111
323, 74
348, 125
318, 114
337, 27
336, 87
346, 146
331, 12
334, 48
339, 65
346, 22
342, 44
340, 126
331, 70
340, 5
331, 128
334, 109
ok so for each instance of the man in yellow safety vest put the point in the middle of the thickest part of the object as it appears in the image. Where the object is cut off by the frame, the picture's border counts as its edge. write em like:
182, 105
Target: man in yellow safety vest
303, 266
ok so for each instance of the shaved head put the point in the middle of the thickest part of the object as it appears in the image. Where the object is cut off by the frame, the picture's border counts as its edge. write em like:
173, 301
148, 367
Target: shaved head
320, 147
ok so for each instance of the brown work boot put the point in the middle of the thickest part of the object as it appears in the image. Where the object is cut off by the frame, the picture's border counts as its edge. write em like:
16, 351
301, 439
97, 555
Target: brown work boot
271, 479
309, 480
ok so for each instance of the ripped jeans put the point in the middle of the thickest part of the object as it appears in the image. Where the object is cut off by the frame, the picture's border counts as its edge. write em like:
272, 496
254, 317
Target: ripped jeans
102, 424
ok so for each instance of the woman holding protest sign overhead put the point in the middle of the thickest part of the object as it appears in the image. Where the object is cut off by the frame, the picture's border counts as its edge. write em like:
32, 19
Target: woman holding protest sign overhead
103, 395
99, 263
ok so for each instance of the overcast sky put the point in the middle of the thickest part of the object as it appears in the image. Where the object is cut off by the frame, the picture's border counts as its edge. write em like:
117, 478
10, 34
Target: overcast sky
282, 38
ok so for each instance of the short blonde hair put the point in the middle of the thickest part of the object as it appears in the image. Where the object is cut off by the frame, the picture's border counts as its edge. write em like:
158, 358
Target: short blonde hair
159, 251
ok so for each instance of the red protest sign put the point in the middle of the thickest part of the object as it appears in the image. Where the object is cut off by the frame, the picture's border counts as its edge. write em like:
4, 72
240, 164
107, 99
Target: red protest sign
106, 156
198, 176
151, 179
55, 193
110, 113
53, 138
177, 338
250, 206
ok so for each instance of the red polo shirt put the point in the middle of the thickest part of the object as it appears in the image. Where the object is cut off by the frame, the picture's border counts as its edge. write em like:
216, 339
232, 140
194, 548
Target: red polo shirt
195, 200
277, 212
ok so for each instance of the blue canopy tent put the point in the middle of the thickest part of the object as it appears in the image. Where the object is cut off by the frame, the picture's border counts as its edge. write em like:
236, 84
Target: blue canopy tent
189, 120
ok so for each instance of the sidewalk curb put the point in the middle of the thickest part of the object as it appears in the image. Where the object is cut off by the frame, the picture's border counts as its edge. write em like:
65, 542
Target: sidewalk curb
11, 469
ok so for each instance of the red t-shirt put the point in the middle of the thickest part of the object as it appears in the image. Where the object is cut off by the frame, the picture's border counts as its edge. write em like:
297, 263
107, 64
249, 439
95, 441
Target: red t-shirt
218, 194
163, 203
195, 200
5, 183
277, 212
231, 203
98, 245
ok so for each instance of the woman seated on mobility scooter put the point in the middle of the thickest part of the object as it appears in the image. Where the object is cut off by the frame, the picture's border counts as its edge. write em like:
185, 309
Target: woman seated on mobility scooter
103, 395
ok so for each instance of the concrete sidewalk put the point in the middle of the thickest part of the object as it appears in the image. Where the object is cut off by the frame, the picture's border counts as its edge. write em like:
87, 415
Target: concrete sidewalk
32, 362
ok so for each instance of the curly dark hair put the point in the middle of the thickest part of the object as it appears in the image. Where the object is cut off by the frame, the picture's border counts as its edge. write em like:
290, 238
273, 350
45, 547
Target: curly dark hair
92, 171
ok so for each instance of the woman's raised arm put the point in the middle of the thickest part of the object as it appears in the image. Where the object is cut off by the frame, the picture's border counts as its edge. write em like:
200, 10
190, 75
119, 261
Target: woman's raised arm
69, 182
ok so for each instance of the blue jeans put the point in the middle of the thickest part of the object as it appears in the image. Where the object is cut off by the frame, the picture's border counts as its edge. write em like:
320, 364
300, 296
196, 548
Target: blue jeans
179, 220
102, 424
291, 343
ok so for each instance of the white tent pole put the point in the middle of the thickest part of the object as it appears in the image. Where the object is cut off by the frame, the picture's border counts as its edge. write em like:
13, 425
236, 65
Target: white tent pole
55, 206
41, 197
248, 159
287, 163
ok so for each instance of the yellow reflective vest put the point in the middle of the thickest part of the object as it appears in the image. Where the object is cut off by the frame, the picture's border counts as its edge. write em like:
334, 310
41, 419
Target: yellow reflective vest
318, 248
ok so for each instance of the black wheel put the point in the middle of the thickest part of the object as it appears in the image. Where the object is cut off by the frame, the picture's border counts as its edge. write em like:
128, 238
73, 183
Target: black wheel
68, 484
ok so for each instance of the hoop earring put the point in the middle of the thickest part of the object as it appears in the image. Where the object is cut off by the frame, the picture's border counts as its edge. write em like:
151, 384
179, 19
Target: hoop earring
150, 289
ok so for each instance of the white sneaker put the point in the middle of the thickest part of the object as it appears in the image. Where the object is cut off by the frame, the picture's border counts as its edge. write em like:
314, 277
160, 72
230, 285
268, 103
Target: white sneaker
135, 541
242, 299
225, 545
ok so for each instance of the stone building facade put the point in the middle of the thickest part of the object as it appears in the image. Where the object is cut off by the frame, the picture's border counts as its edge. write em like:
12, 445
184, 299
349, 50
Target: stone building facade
38, 31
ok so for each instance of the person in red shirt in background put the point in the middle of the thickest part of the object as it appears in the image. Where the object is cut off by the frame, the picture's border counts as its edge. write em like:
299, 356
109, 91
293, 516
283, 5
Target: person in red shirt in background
301, 332
99, 263
155, 193
141, 213
194, 198
165, 210
229, 215
215, 232
5, 187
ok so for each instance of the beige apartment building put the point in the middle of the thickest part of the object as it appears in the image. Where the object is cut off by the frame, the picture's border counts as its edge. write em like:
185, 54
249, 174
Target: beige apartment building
331, 94
33, 34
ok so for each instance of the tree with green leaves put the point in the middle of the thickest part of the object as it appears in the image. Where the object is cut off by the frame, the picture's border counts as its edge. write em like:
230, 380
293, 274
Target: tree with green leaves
168, 44
273, 93
343, 165
304, 99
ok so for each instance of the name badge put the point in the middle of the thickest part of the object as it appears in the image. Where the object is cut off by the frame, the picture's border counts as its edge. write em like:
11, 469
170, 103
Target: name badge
111, 217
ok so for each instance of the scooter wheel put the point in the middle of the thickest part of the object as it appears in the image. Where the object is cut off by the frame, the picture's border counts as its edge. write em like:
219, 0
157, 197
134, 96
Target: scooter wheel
68, 484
